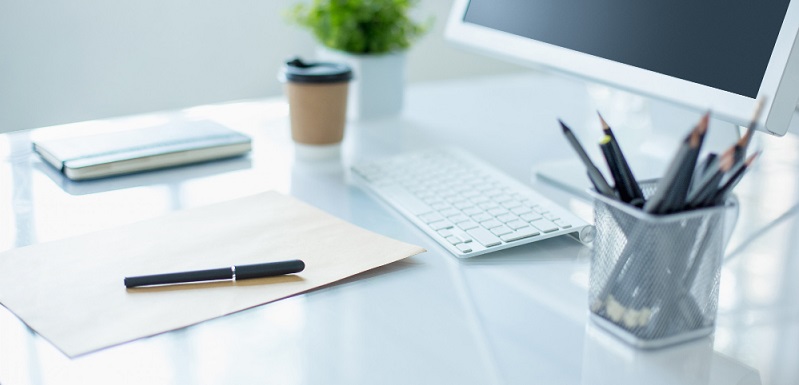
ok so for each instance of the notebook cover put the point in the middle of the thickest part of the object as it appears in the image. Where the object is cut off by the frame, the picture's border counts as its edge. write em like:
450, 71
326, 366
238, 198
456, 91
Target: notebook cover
150, 142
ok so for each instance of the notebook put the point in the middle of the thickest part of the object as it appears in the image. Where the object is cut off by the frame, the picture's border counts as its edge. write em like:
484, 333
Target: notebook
122, 152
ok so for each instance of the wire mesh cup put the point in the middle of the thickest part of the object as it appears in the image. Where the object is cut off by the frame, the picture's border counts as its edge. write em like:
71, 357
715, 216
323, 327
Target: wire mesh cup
654, 279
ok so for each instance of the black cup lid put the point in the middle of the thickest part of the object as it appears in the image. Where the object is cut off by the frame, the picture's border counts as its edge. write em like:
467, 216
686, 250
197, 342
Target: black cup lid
297, 70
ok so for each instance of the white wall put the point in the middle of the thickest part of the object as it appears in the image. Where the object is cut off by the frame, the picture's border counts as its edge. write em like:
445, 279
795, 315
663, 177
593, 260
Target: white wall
70, 60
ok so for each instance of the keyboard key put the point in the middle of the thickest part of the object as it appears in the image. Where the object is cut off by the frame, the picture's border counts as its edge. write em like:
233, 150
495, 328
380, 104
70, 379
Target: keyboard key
430, 200
445, 224
453, 240
445, 232
545, 225
453, 199
493, 192
431, 217
484, 237
497, 211
511, 204
440, 206
551, 216
472, 211
479, 199
406, 200
529, 217
458, 218
540, 209
563, 224
517, 224
464, 248
481, 217
491, 223
520, 210
520, 234
501, 230
505, 218
467, 225
470, 193
449, 211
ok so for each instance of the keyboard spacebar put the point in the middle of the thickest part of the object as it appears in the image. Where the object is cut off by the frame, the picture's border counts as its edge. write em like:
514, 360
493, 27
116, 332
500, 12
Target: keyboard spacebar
485, 237
405, 200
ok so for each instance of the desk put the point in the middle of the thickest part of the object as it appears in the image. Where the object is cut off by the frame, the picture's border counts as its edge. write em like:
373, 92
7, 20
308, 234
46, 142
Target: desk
512, 317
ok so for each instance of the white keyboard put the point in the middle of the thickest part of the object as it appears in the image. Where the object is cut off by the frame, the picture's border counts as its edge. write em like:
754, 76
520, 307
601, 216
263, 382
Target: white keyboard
466, 205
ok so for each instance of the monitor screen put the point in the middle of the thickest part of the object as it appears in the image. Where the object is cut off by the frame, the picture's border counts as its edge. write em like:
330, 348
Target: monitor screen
724, 56
722, 44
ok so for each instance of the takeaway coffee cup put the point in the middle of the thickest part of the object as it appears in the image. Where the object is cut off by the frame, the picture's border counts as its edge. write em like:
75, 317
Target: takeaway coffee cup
317, 95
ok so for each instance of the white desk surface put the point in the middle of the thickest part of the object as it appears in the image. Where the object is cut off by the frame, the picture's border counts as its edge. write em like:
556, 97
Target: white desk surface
512, 317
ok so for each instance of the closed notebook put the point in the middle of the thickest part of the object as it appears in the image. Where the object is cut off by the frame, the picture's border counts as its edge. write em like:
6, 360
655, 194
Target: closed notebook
149, 148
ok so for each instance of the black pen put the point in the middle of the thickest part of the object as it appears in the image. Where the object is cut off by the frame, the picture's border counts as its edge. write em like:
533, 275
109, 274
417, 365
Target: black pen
259, 270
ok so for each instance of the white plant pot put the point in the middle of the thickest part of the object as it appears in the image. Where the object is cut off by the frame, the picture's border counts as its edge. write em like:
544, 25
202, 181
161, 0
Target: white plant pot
378, 86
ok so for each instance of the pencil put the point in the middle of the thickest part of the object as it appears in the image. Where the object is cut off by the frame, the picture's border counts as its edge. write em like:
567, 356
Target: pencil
678, 192
729, 155
673, 187
600, 184
742, 144
735, 177
615, 170
753, 124
708, 163
710, 185
630, 188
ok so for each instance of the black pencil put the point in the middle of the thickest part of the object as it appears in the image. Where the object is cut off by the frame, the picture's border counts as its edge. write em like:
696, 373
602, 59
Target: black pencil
630, 187
710, 185
673, 187
735, 177
708, 163
750, 129
600, 184
678, 193
615, 170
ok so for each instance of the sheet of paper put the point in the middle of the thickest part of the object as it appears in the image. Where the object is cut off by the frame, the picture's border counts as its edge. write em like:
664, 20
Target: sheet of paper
71, 291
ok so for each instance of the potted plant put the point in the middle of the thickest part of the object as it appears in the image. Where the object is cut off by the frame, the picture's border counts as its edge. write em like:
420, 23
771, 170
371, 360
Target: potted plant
371, 36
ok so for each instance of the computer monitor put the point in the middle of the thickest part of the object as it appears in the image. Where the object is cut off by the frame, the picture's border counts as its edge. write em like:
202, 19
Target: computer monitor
712, 54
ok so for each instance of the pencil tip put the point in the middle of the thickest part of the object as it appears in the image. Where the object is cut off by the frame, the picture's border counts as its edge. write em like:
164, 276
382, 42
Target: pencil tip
563, 126
605, 125
744, 140
758, 109
751, 158
703, 123
726, 162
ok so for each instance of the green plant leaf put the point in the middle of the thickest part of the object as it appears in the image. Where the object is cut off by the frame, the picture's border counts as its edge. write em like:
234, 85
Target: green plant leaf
360, 26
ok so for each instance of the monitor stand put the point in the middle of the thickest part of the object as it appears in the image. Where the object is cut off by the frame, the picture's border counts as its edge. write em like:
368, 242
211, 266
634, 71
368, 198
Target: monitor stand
648, 131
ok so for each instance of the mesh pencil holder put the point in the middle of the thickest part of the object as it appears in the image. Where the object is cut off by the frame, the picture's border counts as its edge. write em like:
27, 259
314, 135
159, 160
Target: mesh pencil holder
655, 278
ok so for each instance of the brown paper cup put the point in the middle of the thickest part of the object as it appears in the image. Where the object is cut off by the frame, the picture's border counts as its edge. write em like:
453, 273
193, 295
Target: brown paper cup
317, 111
